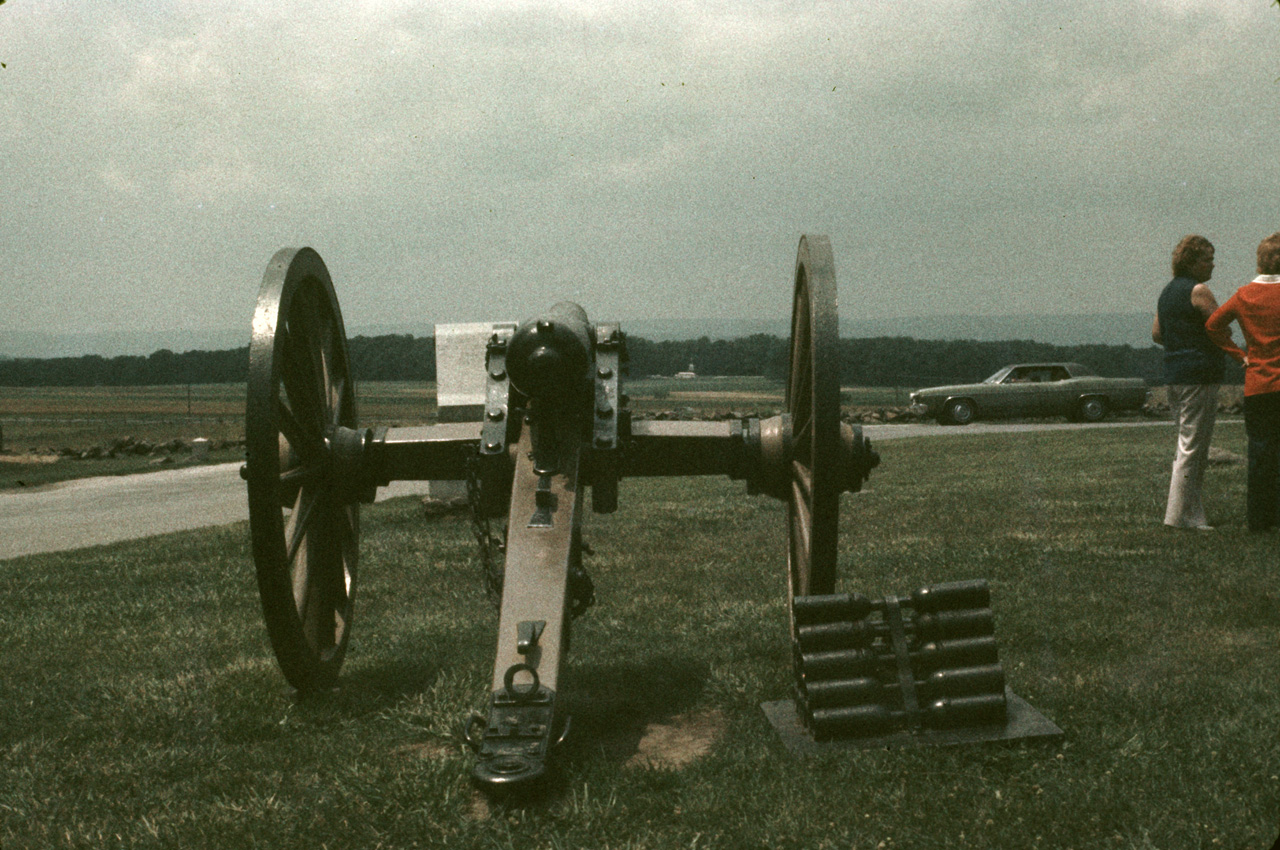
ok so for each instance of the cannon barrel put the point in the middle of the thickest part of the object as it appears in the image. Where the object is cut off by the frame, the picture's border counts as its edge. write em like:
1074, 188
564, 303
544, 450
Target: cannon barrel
549, 357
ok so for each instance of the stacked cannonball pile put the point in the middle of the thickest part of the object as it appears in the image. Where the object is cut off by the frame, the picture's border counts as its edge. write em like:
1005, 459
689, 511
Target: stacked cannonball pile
928, 660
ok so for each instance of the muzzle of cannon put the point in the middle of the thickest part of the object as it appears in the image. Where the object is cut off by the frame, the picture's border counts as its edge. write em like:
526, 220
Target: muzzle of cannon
555, 424
549, 358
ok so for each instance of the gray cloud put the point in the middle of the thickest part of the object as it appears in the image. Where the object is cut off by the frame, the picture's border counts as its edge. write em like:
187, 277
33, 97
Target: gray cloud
475, 160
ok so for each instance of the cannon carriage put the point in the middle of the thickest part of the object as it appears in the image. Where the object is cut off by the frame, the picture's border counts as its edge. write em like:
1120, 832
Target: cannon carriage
555, 425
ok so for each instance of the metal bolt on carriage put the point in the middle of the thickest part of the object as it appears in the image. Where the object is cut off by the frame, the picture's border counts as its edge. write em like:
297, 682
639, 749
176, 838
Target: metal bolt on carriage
555, 424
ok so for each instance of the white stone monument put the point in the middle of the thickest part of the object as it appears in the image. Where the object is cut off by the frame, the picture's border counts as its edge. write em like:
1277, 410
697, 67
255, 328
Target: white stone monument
460, 383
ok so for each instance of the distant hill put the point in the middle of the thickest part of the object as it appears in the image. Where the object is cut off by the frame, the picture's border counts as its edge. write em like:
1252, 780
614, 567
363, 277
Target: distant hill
1083, 329
1067, 329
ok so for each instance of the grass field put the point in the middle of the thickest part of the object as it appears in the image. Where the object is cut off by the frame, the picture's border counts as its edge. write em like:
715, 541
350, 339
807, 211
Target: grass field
37, 421
44, 417
140, 705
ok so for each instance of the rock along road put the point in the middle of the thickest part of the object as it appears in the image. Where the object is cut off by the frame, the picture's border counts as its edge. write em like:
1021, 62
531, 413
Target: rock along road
94, 511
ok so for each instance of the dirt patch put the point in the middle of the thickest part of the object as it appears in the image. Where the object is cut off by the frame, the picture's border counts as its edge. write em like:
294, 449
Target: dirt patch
479, 809
678, 742
726, 395
1223, 457
424, 750
7, 458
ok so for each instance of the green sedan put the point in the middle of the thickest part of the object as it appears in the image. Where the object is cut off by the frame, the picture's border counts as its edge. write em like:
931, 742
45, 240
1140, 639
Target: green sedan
1032, 389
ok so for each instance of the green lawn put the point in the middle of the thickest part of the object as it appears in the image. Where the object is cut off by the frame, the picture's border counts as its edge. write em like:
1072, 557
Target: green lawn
140, 705
35, 421
38, 421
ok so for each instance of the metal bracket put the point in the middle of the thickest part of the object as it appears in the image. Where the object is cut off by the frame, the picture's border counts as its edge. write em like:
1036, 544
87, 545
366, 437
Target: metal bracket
544, 504
898, 641
610, 418
516, 739
497, 428
527, 634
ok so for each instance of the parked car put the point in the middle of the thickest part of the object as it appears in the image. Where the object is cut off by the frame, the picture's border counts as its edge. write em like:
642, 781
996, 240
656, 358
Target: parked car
1032, 389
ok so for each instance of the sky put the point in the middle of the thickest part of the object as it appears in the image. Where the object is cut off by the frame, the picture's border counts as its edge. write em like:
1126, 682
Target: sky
477, 160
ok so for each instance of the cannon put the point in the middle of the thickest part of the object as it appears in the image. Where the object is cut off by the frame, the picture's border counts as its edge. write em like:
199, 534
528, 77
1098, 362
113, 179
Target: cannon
555, 424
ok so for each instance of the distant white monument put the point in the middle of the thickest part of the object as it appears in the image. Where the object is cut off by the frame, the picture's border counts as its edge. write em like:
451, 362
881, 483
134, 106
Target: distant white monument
688, 373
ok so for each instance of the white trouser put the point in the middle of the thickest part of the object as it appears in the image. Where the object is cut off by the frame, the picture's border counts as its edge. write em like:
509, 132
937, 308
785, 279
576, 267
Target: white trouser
1195, 409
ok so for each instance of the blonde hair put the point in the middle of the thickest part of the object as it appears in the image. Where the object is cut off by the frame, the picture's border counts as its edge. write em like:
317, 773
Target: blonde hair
1269, 254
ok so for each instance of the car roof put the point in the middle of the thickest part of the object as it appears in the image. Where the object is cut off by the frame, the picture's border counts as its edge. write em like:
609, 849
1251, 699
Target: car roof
1073, 367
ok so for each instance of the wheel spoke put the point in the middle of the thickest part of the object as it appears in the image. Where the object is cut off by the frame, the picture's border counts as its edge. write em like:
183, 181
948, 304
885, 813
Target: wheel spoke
320, 335
800, 438
301, 476
307, 444
802, 476
299, 523
800, 395
801, 535
349, 530
324, 381
325, 591
298, 377
336, 391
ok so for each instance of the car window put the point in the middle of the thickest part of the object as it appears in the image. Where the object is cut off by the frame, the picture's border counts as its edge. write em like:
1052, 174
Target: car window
1025, 375
1059, 373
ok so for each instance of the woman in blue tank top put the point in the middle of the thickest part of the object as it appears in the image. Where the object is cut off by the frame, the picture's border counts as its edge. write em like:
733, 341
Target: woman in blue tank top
1193, 369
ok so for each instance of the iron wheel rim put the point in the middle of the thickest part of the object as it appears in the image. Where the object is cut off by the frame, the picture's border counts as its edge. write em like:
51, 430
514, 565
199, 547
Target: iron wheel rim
813, 403
305, 537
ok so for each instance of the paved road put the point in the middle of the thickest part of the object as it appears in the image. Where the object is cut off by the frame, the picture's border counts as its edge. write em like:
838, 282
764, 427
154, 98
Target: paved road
919, 429
93, 511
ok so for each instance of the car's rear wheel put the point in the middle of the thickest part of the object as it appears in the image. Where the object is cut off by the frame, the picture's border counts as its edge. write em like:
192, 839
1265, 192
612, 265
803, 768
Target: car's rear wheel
1092, 409
958, 412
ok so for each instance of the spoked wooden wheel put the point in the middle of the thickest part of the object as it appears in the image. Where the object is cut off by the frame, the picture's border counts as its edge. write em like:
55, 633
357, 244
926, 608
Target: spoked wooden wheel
813, 403
304, 520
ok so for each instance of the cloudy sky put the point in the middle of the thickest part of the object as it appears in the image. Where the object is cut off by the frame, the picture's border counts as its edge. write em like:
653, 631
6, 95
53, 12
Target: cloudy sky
478, 160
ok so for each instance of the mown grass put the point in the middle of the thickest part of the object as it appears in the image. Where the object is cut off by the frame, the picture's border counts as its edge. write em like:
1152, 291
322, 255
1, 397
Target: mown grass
36, 421
41, 417
41, 420
140, 705
35, 418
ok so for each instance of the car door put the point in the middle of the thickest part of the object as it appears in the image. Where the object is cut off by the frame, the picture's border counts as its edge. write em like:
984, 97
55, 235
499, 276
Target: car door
1013, 396
1060, 392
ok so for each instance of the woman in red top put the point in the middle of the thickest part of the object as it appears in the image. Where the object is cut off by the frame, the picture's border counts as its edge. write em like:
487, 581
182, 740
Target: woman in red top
1256, 306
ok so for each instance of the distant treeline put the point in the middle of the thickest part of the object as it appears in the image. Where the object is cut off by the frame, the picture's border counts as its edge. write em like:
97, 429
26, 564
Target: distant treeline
378, 358
877, 362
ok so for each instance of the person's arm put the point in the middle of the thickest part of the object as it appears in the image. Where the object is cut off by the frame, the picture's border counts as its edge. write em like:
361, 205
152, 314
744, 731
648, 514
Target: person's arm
1218, 327
1202, 299
1155, 331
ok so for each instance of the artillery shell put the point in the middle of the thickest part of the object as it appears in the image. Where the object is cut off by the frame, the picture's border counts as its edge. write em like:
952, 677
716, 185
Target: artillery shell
967, 711
830, 608
967, 622
952, 595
